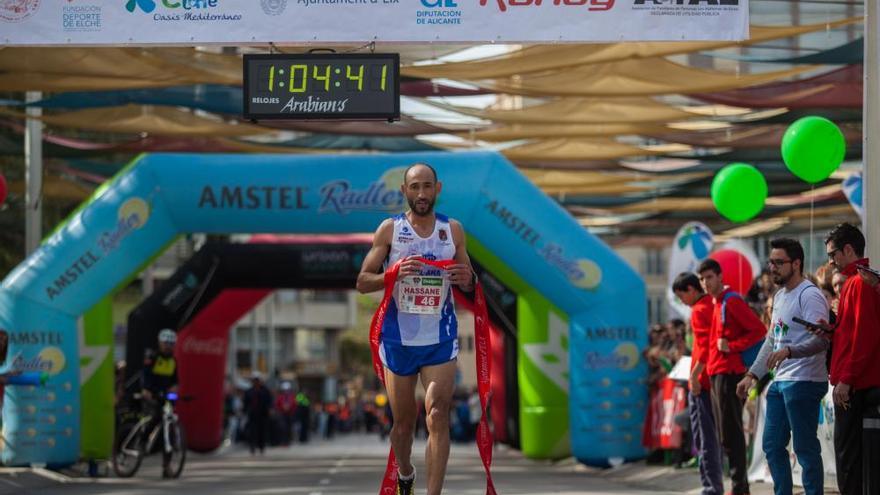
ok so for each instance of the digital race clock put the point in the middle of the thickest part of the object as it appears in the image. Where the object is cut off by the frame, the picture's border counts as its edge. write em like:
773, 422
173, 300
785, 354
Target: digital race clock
322, 86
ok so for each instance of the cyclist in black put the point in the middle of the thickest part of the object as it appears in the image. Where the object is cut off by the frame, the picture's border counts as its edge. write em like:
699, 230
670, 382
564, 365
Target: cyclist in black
160, 377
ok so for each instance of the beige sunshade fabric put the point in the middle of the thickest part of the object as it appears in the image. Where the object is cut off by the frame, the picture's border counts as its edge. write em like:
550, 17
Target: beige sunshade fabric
603, 183
672, 204
545, 131
554, 150
644, 77
581, 111
76, 69
136, 119
541, 58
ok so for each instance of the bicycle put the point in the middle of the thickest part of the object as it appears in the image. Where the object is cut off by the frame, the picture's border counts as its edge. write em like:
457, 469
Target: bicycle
133, 443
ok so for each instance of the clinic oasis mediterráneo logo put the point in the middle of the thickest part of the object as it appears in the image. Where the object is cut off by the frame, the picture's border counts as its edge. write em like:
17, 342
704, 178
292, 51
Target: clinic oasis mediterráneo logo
182, 10
131, 216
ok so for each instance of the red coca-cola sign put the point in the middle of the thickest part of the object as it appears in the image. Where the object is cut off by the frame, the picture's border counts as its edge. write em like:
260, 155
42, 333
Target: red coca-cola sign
215, 346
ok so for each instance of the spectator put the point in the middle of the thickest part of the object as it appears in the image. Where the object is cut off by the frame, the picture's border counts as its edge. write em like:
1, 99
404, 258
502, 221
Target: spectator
800, 383
285, 406
837, 282
735, 329
303, 417
855, 369
331, 410
688, 289
257, 403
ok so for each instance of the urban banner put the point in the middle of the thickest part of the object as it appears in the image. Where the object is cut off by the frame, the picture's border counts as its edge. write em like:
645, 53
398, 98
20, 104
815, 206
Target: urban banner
199, 22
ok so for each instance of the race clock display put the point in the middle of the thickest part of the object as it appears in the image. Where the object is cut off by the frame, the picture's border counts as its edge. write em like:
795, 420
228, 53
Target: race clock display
322, 86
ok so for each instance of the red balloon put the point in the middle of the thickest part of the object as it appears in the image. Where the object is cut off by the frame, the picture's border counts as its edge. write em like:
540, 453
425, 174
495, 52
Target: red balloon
736, 271
3, 189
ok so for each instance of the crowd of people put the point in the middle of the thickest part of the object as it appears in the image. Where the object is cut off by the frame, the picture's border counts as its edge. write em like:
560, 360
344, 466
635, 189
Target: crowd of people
788, 338
262, 416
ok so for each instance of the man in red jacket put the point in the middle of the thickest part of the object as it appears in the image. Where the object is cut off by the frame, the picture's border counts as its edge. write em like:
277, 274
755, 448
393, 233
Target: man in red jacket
687, 288
855, 368
735, 329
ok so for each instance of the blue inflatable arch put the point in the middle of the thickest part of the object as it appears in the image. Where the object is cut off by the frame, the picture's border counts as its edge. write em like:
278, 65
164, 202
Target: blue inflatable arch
162, 195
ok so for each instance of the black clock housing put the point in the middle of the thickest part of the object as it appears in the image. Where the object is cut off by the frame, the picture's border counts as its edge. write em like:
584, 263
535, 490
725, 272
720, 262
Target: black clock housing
326, 86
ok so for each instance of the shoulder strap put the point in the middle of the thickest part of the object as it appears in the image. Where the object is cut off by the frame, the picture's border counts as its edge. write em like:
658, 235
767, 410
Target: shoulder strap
724, 305
801, 293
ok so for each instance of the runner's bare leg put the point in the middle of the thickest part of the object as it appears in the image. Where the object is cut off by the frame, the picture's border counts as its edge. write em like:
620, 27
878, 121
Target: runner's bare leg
402, 395
439, 383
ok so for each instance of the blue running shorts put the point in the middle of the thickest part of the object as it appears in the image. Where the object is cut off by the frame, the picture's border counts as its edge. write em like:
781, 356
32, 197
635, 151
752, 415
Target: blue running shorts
406, 360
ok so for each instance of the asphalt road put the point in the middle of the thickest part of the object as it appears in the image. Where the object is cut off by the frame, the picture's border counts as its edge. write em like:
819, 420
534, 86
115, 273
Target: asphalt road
354, 465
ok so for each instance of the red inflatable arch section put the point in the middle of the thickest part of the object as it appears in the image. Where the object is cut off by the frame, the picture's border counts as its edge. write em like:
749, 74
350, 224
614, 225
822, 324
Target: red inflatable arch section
202, 347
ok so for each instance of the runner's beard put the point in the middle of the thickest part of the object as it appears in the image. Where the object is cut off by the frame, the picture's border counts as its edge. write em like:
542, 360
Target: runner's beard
421, 208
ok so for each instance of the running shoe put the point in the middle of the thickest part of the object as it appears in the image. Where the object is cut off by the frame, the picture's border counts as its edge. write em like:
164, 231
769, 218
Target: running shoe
405, 486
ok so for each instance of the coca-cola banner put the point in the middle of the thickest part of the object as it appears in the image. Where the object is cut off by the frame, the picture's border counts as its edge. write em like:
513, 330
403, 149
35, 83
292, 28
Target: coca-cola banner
198, 22
201, 352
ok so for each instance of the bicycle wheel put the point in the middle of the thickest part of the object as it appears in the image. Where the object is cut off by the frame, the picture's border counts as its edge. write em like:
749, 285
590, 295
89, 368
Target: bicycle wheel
176, 459
128, 450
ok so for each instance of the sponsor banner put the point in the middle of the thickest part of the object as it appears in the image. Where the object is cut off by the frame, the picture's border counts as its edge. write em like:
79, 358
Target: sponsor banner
198, 22
852, 188
608, 399
41, 423
667, 401
692, 244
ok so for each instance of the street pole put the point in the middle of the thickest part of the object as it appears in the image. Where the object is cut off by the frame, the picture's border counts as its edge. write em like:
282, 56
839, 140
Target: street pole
870, 126
33, 175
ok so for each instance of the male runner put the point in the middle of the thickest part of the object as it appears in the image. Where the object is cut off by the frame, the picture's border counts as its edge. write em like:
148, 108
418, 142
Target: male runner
420, 332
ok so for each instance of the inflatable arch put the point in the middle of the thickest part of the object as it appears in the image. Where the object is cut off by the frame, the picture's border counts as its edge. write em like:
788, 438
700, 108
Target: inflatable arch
581, 313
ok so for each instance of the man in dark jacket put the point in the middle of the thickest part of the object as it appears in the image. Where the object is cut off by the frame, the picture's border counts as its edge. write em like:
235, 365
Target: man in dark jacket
257, 403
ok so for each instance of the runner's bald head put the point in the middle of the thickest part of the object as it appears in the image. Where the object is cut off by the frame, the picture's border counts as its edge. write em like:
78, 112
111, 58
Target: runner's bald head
414, 169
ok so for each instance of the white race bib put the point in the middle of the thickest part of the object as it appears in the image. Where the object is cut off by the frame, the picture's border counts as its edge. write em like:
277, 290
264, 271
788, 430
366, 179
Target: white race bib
421, 295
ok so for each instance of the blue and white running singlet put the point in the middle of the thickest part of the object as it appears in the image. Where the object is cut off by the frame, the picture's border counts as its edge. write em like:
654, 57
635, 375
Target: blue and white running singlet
421, 311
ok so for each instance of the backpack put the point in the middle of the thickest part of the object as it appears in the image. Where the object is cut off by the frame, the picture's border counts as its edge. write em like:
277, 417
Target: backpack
749, 355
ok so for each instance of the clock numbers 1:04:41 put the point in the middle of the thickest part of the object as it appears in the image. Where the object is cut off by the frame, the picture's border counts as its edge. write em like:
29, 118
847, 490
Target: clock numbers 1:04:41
299, 77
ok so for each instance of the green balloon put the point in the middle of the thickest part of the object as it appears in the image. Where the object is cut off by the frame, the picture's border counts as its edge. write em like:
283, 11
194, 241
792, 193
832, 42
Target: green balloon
812, 148
739, 191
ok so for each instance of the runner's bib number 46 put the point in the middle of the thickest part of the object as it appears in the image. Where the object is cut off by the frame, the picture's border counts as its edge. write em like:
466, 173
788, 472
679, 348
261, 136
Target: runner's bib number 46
421, 295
